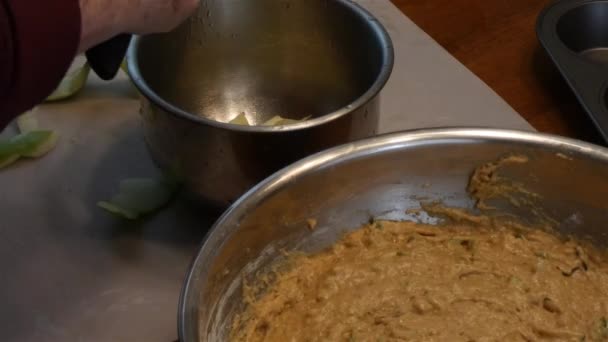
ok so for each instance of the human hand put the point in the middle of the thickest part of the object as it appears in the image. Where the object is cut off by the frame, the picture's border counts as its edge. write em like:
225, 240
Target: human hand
103, 19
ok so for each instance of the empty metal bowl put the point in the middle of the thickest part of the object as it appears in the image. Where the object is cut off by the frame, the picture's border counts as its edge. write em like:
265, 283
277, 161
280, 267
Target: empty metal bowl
382, 177
325, 60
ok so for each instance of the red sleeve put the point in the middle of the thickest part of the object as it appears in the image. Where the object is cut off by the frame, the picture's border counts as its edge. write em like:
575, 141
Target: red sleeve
38, 41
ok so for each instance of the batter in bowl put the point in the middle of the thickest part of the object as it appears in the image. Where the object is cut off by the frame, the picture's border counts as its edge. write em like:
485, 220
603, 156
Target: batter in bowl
475, 278
403, 281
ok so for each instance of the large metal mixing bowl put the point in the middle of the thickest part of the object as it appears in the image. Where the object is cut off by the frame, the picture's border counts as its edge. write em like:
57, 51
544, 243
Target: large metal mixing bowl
381, 177
323, 59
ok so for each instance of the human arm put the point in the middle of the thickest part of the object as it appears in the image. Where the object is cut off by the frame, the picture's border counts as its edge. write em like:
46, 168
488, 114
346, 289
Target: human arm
39, 39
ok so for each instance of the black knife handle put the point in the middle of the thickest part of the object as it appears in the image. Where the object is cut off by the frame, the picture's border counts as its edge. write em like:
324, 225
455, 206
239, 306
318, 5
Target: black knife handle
105, 58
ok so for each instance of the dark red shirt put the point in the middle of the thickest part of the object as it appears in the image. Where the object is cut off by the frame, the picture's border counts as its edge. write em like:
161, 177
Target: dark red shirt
38, 41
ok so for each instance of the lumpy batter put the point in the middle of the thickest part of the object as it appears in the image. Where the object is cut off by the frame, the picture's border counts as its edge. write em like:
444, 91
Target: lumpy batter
400, 281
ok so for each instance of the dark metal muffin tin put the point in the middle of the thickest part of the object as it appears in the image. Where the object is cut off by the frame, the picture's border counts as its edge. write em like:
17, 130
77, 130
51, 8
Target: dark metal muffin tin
575, 35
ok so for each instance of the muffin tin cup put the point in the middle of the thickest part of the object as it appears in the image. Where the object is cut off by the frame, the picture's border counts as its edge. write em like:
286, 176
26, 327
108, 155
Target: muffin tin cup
575, 36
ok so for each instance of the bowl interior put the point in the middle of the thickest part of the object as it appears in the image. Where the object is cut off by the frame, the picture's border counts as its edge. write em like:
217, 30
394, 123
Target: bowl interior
381, 177
293, 58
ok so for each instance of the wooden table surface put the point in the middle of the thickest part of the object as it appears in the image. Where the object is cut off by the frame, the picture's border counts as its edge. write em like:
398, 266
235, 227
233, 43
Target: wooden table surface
496, 40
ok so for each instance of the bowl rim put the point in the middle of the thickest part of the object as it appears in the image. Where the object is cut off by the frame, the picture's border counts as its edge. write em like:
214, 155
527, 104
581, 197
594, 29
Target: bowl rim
381, 143
388, 59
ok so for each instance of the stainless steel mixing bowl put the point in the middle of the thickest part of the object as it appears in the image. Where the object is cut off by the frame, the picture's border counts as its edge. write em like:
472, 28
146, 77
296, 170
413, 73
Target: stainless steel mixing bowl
381, 177
324, 59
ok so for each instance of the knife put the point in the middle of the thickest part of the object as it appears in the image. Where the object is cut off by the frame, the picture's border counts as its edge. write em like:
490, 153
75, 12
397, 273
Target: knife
105, 59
